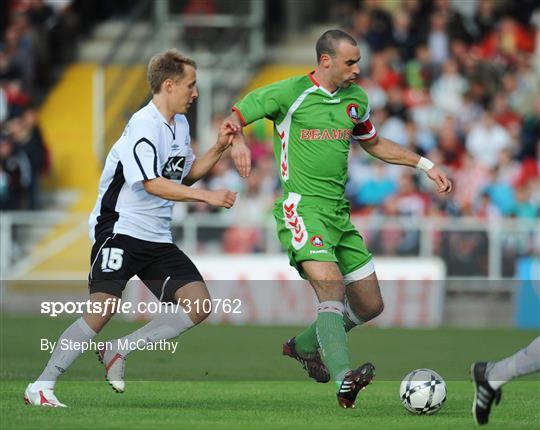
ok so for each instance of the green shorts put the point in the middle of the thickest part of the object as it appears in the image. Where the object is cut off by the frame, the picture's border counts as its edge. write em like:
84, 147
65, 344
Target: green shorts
311, 228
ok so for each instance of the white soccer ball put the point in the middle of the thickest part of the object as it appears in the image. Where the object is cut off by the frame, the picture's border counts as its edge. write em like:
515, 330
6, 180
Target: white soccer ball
422, 391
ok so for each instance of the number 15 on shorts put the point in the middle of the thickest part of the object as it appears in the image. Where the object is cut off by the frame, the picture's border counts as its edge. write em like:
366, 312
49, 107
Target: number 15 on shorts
112, 259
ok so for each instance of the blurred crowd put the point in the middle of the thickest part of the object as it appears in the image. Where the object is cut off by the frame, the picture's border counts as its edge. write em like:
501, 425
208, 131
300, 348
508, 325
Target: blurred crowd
25, 57
36, 38
455, 81
458, 83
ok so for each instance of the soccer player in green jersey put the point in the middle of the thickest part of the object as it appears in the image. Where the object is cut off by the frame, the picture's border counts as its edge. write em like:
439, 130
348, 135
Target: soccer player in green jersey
317, 117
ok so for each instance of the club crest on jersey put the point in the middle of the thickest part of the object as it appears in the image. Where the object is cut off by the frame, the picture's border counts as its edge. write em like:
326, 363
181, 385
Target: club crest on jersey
174, 168
317, 241
352, 111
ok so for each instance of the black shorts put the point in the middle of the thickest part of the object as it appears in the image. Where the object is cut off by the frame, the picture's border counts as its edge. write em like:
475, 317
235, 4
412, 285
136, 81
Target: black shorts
116, 258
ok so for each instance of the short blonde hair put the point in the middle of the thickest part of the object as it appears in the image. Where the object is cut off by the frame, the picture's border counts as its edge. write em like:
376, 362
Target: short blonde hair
166, 65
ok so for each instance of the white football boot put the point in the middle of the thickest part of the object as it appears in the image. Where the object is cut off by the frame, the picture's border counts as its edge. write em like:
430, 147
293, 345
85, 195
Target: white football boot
43, 397
114, 363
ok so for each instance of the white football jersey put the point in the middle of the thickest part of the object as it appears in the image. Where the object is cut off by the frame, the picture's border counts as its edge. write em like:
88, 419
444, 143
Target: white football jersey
148, 148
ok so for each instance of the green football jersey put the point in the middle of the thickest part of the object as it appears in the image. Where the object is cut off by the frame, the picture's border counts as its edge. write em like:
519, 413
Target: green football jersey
312, 131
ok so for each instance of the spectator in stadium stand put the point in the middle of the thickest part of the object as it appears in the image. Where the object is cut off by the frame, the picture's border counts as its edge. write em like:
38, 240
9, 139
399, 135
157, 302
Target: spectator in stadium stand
17, 98
244, 236
404, 38
529, 137
504, 115
449, 144
374, 190
395, 104
521, 85
377, 96
27, 137
419, 140
419, 71
485, 19
486, 140
447, 90
454, 21
505, 42
391, 126
425, 114
382, 71
524, 206
500, 192
470, 113
438, 40
40, 13
19, 45
15, 175
223, 175
486, 208
408, 201
359, 27
379, 35
470, 180
509, 170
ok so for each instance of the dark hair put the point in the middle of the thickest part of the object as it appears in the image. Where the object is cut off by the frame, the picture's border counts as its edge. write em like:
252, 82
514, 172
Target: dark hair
166, 65
329, 40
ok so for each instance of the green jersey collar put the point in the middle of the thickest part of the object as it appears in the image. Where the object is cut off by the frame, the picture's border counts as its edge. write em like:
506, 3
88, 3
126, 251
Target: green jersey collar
319, 86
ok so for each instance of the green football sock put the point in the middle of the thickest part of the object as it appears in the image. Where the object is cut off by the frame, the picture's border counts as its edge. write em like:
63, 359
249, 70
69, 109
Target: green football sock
307, 343
333, 339
350, 319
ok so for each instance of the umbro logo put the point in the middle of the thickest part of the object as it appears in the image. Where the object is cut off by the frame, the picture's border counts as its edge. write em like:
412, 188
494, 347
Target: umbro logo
332, 101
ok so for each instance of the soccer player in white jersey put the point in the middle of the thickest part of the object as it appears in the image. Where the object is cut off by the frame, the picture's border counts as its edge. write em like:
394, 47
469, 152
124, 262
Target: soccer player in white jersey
148, 169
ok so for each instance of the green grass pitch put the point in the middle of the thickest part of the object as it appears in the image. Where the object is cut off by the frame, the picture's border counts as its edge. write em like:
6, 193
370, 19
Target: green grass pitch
234, 377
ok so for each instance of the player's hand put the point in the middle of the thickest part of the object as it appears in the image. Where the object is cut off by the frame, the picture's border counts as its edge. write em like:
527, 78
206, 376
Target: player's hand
444, 185
226, 132
221, 198
241, 155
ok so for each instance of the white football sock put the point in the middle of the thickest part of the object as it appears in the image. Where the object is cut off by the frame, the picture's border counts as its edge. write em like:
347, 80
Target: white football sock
63, 356
522, 362
165, 325
350, 318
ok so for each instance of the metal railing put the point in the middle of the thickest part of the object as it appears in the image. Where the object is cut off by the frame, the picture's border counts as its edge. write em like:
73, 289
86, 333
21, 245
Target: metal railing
242, 32
205, 234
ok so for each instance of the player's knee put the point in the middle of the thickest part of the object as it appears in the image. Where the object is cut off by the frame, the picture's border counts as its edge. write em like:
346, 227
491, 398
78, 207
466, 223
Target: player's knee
199, 316
97, 321
200, 313
330, 290
373, 310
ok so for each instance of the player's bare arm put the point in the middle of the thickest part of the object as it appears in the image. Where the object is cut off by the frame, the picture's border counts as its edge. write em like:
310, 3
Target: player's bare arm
203, 165
393, 153
169, 190
240, 151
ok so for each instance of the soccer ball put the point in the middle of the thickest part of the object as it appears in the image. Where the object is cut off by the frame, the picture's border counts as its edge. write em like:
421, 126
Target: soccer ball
422, 391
